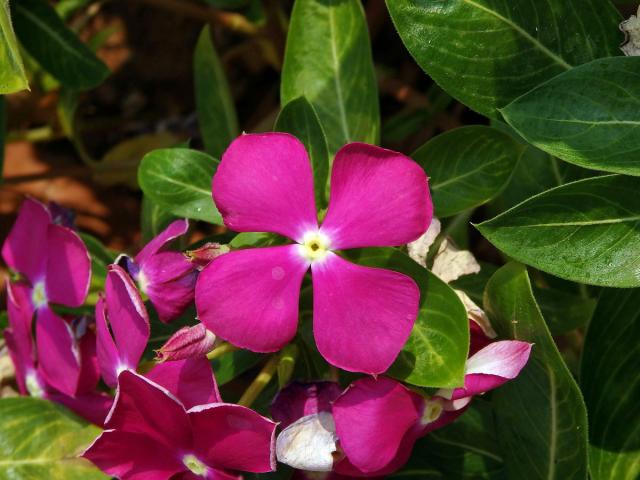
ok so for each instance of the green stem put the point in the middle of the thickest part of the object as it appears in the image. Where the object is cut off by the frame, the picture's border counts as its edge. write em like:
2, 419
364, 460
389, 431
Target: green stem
260, 382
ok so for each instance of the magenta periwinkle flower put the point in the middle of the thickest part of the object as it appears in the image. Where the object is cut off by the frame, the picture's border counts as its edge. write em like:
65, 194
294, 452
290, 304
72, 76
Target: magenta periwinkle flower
85, 400
362, 316
374, 423
55, 267
166, 277
154, 433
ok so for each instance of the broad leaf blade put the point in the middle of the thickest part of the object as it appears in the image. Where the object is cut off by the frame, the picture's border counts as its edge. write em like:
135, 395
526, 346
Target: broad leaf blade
39, 439
298, 117
12, 76
589, 116
586, 231
486, 53
435, 354
541, 417
153, 218
328, 60
609, 373
56, 48
216, 112
179, 179
467, 167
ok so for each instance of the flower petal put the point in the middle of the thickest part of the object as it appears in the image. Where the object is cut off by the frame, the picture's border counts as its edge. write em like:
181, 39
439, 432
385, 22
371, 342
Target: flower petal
250, 297
68, 267
493, 366
264, 183
106, 350
25, 249
144, 407
362, 316
372, 418
93, 406
132, 456
233, 437
19, 336
309, 443
127, 316
379, 198
89, 367
190, 380
212, 474
300, 399
58, 355
173, 231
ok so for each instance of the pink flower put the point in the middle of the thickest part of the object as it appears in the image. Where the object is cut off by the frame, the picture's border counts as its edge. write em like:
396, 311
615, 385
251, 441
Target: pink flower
369, 429
168, 278
152, 433
56, 268
85, 400
362, 315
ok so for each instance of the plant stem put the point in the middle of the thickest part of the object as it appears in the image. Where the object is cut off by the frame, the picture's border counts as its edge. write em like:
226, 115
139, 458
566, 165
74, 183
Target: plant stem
221, 350
260, 382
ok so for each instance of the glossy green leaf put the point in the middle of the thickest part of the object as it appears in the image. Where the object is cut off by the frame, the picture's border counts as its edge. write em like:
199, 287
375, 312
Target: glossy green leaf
435, 354
589, 116
39, 439
179, 179
541, 418
216, 112
486, 53
153, 218
232, 364
56, 48
586, 231
467, 167
12, 75
609, 380
328, 61
298, 117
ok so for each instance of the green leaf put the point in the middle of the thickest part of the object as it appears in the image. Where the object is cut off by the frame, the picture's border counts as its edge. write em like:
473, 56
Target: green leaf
486, 53
3, 132
467, 167
586, 231
609, 379
541, 418
216, 112
56, 48
328, 60
232, 364
179, 179
153, 218
39, 439
12, 76
589, 116
435, 354
299, 118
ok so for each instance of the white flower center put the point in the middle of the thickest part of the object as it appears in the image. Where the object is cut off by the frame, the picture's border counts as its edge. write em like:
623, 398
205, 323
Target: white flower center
33, 385
432, 410
39, 296
315, 246
194, 465
143, 282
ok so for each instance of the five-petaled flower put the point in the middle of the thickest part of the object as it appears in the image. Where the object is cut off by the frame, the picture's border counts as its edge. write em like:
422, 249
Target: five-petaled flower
55, 268
362, 315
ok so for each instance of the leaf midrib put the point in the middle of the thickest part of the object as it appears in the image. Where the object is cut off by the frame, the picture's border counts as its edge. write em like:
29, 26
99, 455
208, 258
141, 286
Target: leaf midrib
605, 221
556, 58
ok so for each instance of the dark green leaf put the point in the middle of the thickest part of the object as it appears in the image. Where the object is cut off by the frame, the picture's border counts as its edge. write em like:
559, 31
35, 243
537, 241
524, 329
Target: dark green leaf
179, 180
55, 47
589, 116
12, 76
486, 53
586, 231
298, 117
154, 218
609, 379
3, 132
541, 417
467, 167
232, 364
435, 354
216, 112
39, 439
328, 60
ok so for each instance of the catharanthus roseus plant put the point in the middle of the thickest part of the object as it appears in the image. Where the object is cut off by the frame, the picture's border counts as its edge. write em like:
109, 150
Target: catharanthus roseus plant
320, 240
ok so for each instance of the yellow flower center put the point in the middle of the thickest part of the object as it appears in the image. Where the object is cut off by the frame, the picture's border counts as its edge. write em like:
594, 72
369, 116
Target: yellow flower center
315, 246
432, 410
33, 386
38, 296
194, 465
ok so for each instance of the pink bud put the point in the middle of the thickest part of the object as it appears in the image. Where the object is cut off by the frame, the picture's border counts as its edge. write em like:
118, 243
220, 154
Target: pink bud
187, 342
203, 255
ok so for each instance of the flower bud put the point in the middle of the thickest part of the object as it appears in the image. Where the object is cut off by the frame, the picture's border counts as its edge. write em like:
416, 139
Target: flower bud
207, 252
187, 342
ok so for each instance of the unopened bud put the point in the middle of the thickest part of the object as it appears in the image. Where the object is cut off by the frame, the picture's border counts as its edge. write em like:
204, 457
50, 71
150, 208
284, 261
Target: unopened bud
203, 255
187, 342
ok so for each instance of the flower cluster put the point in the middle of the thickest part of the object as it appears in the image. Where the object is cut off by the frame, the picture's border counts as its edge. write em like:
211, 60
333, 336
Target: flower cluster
166, 419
